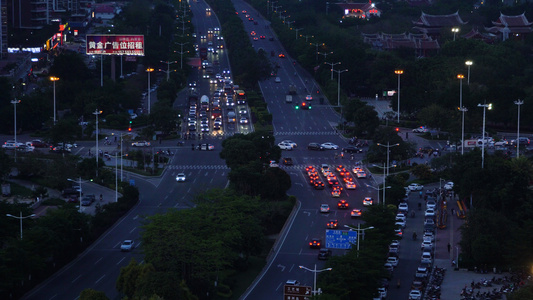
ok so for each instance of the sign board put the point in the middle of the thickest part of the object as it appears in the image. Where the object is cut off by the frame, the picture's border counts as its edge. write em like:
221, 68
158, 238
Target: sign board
296, 292
112, 44
340, 239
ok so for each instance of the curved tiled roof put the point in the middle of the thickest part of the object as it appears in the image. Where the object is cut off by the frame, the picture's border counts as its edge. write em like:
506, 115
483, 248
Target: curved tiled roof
450, 20
512, 21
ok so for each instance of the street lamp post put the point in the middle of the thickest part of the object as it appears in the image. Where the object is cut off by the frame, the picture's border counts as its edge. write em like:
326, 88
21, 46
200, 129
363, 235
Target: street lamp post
359, 229
149, 71
121, 153
297, 30
388, 146
485, 107
463, 110
468, 63
384, 181
315, 271
79, 182
54, 79
518, 103
332, 65
96, 113
399, 73
181, 55
339, 72
379, 189
316, 50
455, 30
15, 102
168, 65
20, 218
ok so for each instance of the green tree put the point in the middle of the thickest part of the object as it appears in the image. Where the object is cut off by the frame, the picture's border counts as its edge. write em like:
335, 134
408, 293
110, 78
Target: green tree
90, 294
422, 171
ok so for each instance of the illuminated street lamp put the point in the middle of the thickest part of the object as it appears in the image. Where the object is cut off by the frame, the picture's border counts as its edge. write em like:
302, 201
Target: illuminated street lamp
20, 218
149, 70
332, 65
297, 30
485, 107
518, 103
315, 271
54, 79
399, 73
359, 229
96, 113
455, 30
339, 86
468, 63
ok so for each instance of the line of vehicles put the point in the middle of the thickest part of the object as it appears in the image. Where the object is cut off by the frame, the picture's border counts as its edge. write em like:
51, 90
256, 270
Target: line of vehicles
32, 145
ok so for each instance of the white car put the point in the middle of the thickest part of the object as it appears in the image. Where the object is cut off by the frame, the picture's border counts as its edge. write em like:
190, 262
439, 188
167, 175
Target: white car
420, 129
284, 146
400, 223
415, 187
393, 261
274, 164
243, 120
415, 295
140, 144
426, 244
430, 213
426, 257
428, 236
329, 146
400, 217
368, 201
360, 174
431, 204
180, 177
382, 292
277, 80
324, 208
293, 144
243, 111
403, 207
127, 245
448, 186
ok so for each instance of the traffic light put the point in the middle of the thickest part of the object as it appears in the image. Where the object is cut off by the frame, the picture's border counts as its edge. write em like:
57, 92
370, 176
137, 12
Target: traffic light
129, 128
397, 129
297, 107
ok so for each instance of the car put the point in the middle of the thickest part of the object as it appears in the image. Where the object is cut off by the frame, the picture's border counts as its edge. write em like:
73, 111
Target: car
253, 33
426, 257
429, 213
324, 208
360, 174
274, 164
428, 236
393, 261
205, 147
332, 224
192, 84
292, 282
293, 144
350, 185
417, 285
368, 201
127, 245
287, 161
382, 292
422, 271
85, 201
329, 146
448, 186
243, 111
431, 204
243, 120
403, 207
25, 148
60, 150
255, 38
250, 19
203, 37
342, 204
351, 149
324, 253
400, 223
180, 177
315, 243
281, 55
415, 187
285, 146
336, 193
429, 222
415, 295
420, 129
398, 232
39, 144
277, 80
356, 213
394, 248
401, 217
426, 244
262, 37
315, 146
318, 185
140, 144
208, 9
389, 267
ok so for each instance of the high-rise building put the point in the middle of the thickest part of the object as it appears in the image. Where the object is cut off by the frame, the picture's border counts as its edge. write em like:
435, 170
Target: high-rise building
3, 29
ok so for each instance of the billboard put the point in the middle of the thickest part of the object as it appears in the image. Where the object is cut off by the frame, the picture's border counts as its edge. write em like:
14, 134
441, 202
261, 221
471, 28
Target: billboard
113, 44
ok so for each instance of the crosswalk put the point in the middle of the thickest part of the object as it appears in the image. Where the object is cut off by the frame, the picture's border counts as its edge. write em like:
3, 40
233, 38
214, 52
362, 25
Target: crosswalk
284, 133
197, 167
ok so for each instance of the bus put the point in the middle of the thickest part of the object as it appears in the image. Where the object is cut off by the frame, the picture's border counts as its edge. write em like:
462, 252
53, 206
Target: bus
204, 102
241, 96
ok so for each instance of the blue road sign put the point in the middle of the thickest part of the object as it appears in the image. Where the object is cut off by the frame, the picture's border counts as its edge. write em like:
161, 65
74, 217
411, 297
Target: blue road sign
340, 239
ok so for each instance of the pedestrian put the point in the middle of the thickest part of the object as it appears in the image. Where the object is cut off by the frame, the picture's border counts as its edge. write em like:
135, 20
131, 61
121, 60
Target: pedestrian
449, 247
101, 197
453, 212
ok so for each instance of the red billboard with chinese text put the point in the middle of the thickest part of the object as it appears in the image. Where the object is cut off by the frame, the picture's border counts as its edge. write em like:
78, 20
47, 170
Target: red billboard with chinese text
112, 44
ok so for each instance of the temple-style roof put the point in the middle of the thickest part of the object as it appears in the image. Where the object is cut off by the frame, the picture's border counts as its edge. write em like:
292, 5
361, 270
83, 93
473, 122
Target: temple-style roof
388, 41
450, 20
474, 34
512, 21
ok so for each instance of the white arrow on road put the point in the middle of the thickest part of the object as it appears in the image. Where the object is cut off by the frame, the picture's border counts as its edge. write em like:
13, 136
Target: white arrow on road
282, 267
308, 213
299, 184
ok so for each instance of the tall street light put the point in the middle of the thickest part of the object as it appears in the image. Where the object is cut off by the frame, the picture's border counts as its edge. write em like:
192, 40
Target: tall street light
316, 50
468, 63
485, 107
399, 73
379, 189
297, 30
96, 113
15, 102
149, 71
388, 146
461, 77
518, 103
463, 110
339, 72
384, 179
122, 153
54, 79
332, 65
359, 229
79, 182
315, 271
455, 30
20, 218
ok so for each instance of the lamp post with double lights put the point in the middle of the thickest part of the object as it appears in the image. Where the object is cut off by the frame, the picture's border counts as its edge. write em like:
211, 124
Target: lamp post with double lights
54, 79
518, 103
332, 65
485, 107
399, 73
96, 113
316, 50
15, 102
461, 77
315, 292
297, 30
455, 30
463, 110
388, 146
339, 72
468, 63
149, 71
79, 182
359, 230
379, 189
20, 217
325, 54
